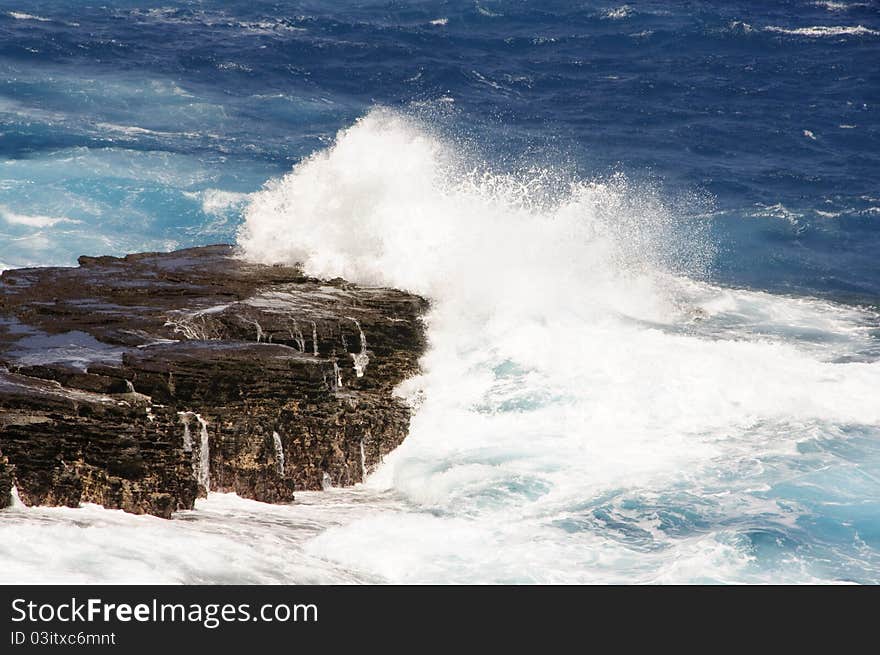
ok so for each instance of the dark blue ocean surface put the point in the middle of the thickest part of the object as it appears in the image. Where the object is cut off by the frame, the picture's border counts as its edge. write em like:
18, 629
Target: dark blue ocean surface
127, 126
774, 111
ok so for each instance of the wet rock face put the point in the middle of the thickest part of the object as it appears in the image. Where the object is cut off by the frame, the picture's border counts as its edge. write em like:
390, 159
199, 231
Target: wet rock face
141, 382
5, 483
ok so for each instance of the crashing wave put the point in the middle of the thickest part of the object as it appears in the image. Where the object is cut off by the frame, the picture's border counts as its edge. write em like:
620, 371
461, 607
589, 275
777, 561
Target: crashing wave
579, 369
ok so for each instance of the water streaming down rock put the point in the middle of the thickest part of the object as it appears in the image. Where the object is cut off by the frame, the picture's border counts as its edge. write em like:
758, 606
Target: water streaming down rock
258, 328
363, 461
16, 500
279, 452
314, 339
7, 485
360, 359
12, 498
195, 325
204, 458
187, 435
201, 461
297, 336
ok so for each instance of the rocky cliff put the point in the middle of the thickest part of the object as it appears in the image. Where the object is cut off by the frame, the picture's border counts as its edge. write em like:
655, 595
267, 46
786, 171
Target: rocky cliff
142, 382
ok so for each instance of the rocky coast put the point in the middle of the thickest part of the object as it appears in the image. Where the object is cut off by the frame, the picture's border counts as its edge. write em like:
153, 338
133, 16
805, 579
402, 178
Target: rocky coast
142, 382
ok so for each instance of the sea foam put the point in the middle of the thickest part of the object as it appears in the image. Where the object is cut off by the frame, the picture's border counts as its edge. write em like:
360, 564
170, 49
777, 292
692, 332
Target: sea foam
582, 381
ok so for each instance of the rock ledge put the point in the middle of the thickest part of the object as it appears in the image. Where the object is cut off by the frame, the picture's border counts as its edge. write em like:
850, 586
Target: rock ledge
143, 381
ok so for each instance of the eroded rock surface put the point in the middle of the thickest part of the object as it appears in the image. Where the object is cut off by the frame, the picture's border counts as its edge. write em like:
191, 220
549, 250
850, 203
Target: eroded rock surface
140, 382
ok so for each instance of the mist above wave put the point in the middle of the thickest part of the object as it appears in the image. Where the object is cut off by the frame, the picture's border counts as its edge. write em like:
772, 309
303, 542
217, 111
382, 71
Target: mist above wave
393, 203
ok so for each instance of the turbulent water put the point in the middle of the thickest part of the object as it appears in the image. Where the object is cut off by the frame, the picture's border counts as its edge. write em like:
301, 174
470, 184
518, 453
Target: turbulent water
649, 235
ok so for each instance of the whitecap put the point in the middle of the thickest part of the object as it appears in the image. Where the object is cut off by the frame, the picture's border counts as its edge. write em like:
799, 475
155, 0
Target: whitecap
33, 220
836, 6
19, 15
618, 13
819, 31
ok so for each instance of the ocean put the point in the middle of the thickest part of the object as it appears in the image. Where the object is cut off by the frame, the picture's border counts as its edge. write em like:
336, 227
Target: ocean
649, 233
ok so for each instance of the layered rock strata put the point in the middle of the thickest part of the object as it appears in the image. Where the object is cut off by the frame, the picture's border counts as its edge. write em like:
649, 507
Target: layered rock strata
141, 382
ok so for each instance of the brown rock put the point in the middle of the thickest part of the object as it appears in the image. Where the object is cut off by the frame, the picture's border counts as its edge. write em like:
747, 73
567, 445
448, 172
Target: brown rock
117, 375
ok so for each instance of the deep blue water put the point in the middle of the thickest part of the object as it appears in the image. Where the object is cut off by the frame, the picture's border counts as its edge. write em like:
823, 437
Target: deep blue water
738, 446
705, 98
